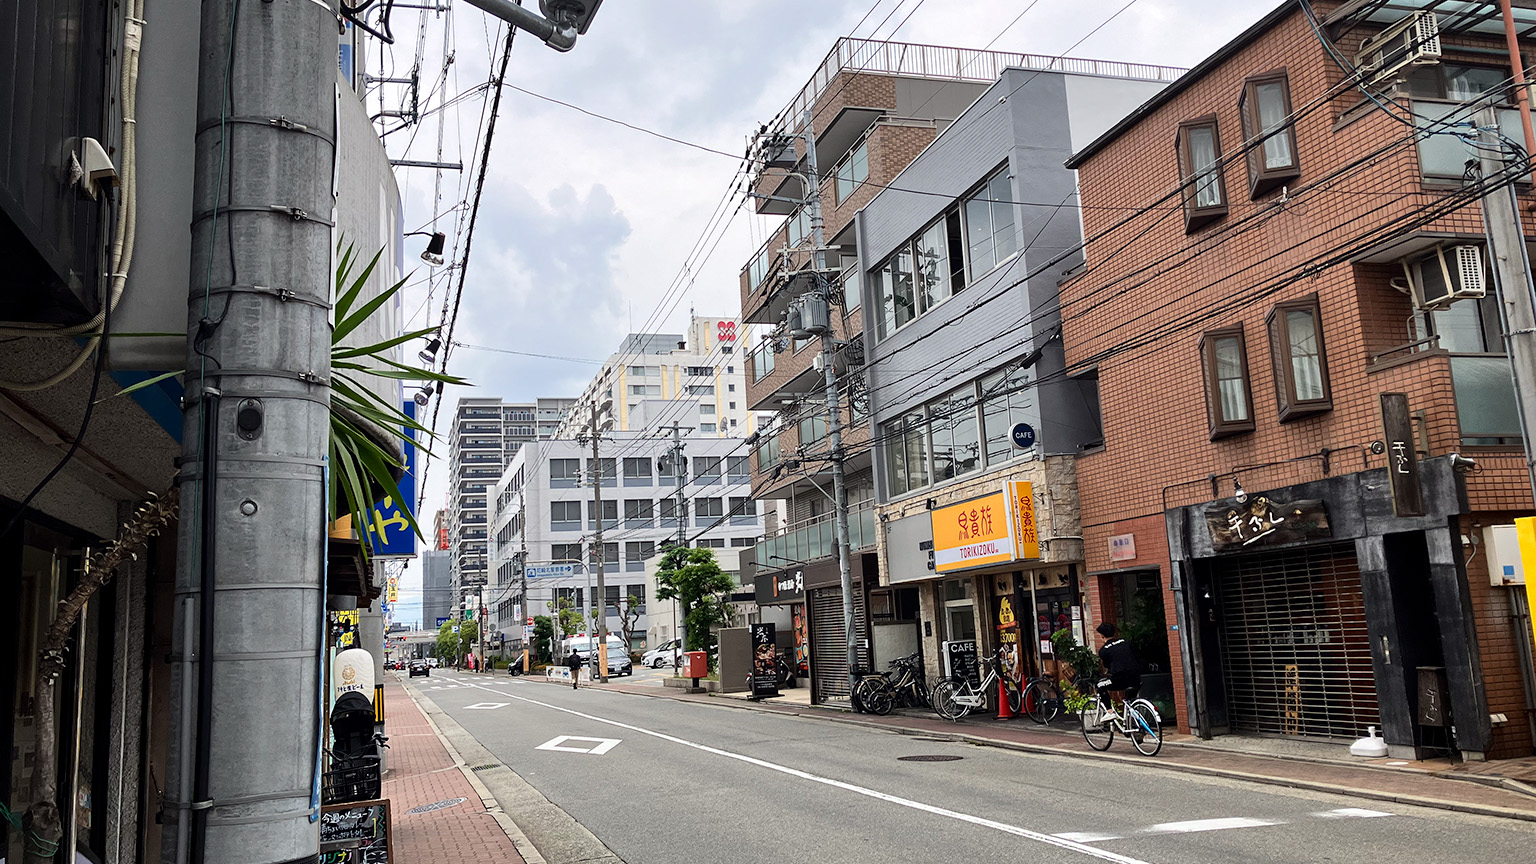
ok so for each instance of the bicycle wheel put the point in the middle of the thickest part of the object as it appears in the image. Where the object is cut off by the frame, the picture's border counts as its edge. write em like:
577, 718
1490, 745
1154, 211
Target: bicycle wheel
1041, 705
880, 701
1015, 698
1144, 728
864, 691
919, 693
942, 697
1097, 730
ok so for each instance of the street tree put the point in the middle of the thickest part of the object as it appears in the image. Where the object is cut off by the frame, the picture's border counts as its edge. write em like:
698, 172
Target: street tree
543, 637
571, 619
629, 616
694, 579
451, 647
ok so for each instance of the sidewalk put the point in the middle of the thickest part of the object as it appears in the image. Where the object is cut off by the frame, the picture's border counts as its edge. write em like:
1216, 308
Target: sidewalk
422, 772
1428, 784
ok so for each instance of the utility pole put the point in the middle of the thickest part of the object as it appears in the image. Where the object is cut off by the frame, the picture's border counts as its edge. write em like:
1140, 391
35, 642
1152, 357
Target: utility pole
1512, 278
249, 607
680, 471
600, 599
823, 293
526, 610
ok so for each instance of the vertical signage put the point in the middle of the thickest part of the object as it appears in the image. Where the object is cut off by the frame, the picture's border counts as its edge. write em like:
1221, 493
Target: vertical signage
389, 532
1525, 532
1026, 539
1402, 459
765, 661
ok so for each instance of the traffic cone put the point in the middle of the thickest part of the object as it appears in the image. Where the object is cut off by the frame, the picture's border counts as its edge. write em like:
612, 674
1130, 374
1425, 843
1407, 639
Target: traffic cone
1003, 711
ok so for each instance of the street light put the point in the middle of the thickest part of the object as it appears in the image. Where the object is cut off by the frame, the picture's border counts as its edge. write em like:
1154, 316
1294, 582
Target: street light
561, 23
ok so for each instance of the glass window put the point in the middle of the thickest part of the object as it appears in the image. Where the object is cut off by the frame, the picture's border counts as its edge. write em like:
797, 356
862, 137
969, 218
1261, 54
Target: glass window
1301, 366
561, 512
851, 298
955, 434
1456, 81
639, 513
639, 551
564, 471
708, 428
885, 301
989, 225
1003, 403
669, 510
706, 469
1266, 108
708, 508
906, 450
604, 470
852, 171
1227, 397
566, 553
932, 261
903, 298
610, 512
706, 409
610, 554
737, 467
812, 429
635, 469
1205, 197
645, 389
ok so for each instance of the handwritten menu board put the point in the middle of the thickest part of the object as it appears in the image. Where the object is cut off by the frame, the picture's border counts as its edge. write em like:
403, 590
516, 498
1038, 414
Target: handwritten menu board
356, 833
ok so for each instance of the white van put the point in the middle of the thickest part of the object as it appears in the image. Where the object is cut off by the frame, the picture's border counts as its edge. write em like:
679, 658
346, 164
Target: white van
582, 645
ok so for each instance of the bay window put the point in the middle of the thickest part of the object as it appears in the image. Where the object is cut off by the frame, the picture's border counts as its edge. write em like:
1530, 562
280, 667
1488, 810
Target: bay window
1205, 195
1228, 399
1266, 107
1301, 364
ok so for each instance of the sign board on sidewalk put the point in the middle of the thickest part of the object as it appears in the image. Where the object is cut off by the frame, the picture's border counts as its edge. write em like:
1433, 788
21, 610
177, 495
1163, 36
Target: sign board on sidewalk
356, 833
765, 661
960, 660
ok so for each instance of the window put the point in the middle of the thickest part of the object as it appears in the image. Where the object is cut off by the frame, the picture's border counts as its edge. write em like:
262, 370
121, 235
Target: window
1266, 108
731, 388
1228, 402
701, 389
565, 553
1457, 82
707, 510
906, 453
768, 452
637, 472
956, 438
812, 430
642, 371
706, 469
639, 513
851, 296
610, 554
799, 227
565, 515
729, 370
898, 304
989, 224
637, 552
706, 409
611, 599
610, 513
710, 543
1004, 402
638, 591
669, 512
932, 266
743, 511
852, 171
708, 428
1205, 195
1301, 365
743, 542
564, 473
737, 469
645, 389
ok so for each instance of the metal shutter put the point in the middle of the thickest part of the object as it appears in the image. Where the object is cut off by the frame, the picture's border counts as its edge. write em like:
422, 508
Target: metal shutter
829, 647
1295, 654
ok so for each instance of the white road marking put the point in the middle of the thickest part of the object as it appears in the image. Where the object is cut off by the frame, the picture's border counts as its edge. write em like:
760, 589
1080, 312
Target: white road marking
1058, 842
1197, 825
601, 745
486, 706
1351, 813
1086, 836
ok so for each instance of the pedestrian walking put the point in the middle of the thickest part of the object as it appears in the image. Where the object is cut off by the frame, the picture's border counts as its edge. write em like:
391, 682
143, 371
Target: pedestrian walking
573, 663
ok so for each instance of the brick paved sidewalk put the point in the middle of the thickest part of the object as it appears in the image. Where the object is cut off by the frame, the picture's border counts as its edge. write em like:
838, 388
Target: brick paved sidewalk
421, 771
1414, 783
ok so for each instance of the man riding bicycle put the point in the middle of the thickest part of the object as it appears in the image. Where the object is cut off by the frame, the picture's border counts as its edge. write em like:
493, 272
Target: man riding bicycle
1120, 662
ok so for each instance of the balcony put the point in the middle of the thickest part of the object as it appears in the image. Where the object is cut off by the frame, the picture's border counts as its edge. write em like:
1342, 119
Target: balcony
815, 538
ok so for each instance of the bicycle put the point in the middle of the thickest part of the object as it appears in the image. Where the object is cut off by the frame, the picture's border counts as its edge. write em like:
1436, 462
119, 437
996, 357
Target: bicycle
955, 697
1044, 697
900, 686
1140, 723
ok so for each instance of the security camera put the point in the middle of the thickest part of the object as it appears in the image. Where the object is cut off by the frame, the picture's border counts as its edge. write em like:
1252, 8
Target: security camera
575, 12
1462, 465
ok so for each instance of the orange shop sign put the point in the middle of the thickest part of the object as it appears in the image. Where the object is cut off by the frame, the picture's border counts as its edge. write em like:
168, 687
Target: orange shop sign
983, 530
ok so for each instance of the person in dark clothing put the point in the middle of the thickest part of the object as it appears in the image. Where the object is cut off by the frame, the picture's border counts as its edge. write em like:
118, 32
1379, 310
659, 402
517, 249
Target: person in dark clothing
1120, 662
573, 663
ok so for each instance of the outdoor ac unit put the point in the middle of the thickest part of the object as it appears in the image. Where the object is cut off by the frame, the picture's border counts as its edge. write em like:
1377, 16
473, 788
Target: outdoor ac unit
1412, 41
1447, 274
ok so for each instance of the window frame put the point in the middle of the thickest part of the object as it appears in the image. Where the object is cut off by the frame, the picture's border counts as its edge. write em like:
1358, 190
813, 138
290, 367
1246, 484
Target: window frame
1290, 407
982, 190
1219, 426
1196, 217
839, 196
1261, 179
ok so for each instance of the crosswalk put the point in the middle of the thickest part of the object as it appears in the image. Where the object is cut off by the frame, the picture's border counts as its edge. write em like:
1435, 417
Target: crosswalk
1227, 823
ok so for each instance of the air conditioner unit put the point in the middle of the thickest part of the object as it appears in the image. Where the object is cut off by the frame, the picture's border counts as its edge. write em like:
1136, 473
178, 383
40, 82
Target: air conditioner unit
1445, 275
1411, 41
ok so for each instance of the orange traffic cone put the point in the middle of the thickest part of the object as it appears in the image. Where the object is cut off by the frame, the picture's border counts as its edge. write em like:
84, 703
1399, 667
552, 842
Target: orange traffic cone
1003, 711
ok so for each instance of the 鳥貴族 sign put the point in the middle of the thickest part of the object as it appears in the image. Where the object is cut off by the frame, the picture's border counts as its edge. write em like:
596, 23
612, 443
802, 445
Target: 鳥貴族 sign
993, 529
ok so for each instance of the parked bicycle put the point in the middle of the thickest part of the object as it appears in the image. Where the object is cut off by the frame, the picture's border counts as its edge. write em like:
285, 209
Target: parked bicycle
1045, 698
900, 686
955, 697
1140, 722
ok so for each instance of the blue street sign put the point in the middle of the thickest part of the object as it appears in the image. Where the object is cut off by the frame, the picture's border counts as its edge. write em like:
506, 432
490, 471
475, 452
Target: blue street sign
551, 570
390, 534
1023, 436
441, 622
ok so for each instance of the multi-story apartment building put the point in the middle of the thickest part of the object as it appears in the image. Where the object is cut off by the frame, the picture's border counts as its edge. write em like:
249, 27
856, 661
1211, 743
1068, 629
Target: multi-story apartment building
656, 379
959, 261
544, 517
1281, 302
872, 107
486, 435
437, 597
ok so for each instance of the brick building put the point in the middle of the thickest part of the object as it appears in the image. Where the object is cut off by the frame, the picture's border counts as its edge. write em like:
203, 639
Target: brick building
1266, 244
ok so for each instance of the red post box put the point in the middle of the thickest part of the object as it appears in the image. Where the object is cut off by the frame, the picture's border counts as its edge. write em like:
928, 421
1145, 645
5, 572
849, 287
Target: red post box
695, 665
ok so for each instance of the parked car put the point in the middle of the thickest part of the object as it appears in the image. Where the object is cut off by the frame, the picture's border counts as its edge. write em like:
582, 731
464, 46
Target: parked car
420, 668
618, 662
663, 654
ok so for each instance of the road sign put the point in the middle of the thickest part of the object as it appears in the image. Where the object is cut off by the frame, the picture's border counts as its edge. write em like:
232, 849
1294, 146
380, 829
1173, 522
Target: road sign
441, 622
550, 570
528, 632
1023, 436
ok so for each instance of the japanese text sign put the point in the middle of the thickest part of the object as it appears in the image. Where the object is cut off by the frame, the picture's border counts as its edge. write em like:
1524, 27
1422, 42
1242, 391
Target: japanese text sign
1402, 460
1025, 536
389, 533
974, 533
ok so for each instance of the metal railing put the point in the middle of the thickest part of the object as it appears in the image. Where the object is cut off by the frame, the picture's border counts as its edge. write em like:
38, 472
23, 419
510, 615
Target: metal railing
813, 538
761, 360
960, 64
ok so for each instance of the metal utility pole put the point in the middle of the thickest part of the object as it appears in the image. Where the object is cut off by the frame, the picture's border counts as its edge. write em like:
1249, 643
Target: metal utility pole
601, 599
824, 290
249, 607
1512, 277
680, 471
525, 609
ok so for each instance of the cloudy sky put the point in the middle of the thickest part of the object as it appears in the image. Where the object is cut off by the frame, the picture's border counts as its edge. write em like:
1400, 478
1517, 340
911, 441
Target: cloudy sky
585, 226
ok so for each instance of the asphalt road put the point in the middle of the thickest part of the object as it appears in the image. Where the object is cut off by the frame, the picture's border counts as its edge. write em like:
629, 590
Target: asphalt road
667, 781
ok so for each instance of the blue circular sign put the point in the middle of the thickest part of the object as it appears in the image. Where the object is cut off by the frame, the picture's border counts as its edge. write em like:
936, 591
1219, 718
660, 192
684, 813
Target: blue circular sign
1023, 436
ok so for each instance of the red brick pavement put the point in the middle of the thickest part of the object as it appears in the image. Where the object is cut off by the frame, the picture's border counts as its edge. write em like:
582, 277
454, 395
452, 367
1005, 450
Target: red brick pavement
422, 772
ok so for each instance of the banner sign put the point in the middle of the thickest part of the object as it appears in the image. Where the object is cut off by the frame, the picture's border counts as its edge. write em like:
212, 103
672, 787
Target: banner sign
441, 622
389, 533
993, 529
1525, 534
1263, 521
765, 661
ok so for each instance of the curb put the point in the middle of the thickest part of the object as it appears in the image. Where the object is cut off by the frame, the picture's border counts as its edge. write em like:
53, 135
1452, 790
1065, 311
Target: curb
1223, 773
519, 840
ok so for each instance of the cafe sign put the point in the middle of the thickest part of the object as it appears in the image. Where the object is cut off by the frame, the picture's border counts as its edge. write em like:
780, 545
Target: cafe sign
993, 529
1261, 521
